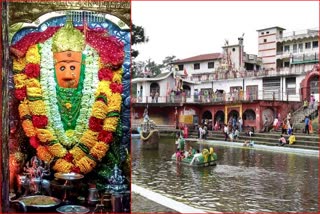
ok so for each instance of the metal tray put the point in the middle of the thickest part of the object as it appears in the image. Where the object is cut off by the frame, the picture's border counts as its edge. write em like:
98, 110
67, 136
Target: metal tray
72, 209
24, 201
68, 176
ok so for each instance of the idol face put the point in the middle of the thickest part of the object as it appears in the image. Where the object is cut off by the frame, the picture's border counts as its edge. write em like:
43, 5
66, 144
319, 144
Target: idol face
68, 68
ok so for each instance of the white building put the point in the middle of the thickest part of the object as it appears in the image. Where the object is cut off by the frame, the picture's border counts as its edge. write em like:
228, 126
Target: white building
283, 70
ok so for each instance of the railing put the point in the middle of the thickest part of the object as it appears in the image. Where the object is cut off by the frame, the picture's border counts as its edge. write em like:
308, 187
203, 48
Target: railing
240, 74
311, 32
305, 57
159, 127
234, 97
292, 70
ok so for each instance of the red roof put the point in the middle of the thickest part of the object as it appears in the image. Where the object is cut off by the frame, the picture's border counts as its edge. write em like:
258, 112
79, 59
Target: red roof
203, 57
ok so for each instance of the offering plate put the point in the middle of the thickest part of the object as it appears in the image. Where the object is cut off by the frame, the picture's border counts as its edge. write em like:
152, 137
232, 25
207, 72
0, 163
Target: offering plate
68, 176
72, 209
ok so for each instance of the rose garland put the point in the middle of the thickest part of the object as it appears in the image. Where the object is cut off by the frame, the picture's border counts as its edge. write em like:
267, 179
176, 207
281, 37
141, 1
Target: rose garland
41, 122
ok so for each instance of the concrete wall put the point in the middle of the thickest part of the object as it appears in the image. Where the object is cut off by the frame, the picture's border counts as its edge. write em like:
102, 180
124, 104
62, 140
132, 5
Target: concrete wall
267, 49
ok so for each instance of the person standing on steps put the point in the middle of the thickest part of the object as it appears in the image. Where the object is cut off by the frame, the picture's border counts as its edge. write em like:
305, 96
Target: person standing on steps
275, 124
240, 124
312, 100
310, 127
265, 124
156, 96
305, 104
306, 122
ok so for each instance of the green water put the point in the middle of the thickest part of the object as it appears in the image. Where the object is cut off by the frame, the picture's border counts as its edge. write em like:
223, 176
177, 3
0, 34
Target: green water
243, 181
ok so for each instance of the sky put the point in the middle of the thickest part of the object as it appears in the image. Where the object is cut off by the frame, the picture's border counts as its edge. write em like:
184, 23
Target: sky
190, 28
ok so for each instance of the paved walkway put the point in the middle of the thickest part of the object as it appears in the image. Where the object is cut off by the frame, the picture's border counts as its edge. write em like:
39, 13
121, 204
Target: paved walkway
161, 202
142, 204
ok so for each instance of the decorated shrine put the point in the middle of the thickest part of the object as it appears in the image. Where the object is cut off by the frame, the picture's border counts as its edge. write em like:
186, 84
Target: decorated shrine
65, 103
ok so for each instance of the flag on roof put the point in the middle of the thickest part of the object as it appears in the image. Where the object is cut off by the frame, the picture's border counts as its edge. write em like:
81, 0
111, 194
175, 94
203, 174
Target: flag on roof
185, 72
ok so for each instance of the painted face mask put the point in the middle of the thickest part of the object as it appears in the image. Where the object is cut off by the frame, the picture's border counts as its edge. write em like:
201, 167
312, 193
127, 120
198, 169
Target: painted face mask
67, 68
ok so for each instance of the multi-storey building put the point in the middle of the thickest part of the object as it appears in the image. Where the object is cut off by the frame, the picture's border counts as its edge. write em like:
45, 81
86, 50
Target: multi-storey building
219, 86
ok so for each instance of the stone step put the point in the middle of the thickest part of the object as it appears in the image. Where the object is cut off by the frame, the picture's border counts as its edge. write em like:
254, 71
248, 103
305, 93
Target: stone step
263, 142
269, 135
302, 141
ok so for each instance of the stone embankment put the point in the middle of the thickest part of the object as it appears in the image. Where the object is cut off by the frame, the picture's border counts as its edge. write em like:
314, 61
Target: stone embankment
303, 141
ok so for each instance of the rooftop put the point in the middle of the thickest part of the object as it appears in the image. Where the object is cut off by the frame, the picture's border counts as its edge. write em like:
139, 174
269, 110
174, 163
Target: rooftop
280, 28
203, 57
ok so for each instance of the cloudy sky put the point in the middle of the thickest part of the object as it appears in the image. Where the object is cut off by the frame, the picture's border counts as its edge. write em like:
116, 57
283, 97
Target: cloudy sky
189, 28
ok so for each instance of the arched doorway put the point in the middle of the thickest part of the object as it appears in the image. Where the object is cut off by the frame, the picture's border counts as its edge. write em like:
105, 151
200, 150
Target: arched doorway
154, 87
314, 86
249, 114
249, 118
233, 114
310, 84
207, 119
219, 117
154, 92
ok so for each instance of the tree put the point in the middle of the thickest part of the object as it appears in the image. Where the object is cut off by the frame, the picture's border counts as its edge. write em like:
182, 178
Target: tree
167, 63
152, 68
138, 37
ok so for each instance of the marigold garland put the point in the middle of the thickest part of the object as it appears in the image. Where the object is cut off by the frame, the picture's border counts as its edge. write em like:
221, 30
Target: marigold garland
19, 64
94, 133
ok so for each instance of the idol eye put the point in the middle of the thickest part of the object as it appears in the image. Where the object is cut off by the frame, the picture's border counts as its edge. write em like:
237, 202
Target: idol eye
62, 68
72, 67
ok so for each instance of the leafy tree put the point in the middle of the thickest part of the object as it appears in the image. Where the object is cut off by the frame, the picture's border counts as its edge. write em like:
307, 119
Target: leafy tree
152, 68
167, 62
138, 37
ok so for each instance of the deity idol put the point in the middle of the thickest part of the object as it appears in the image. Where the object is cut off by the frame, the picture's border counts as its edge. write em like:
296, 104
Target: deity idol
68, 82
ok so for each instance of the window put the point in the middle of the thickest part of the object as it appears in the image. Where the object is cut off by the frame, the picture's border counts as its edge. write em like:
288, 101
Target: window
265, 40
300, 47
210, 64
262, 33
295, 48
286, 48
267, 32
233, 49
291, 85
315, 44
196, 66
286, 64
180, 67
308, 45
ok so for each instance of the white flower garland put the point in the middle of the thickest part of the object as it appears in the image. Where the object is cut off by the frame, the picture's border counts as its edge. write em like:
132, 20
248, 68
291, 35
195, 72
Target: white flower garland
48, 85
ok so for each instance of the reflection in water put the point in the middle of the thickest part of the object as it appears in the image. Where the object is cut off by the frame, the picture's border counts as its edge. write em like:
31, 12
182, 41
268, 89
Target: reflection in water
243, 180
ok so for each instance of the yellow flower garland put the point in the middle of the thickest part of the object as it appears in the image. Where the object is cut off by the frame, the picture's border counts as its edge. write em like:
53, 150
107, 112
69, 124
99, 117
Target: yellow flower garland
19, 64
32, 55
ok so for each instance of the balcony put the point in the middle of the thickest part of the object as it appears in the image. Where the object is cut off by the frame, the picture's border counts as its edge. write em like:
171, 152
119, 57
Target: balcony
291, 71
243, 74
299, 58
302, 34
305, 58
283, 54
224, 98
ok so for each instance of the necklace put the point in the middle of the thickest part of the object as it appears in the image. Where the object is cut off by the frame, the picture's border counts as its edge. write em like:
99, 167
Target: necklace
87, 85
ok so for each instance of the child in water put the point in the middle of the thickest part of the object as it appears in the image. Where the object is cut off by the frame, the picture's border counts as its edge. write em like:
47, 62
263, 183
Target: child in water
178, 155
